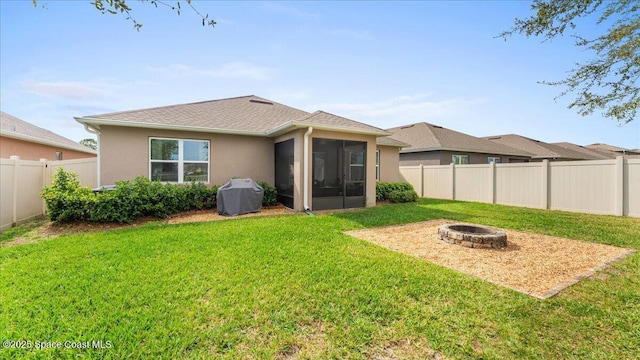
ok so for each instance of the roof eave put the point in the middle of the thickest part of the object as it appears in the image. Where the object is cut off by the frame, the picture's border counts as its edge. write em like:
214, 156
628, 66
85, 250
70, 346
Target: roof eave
293, 125
37, 140
96, 123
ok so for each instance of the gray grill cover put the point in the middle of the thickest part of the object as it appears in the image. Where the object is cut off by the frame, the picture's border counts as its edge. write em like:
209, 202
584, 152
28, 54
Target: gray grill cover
239, 196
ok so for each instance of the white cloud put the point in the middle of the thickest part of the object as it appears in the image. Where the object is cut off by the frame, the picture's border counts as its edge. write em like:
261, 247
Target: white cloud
230, 70
413, 105
69, 90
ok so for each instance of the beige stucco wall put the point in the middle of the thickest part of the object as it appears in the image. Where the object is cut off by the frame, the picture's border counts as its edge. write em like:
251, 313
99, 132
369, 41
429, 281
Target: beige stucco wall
370, 192
390, 164
124, 154
298, 149
34, 151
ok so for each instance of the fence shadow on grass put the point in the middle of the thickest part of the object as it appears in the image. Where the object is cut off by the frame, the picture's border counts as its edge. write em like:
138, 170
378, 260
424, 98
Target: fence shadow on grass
393, 214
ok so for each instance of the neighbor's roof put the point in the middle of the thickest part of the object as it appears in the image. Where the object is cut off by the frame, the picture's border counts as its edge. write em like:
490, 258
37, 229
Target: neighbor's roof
539, 149
616, 150
247, 115
427, 137
606, 147
12, 127
592, 153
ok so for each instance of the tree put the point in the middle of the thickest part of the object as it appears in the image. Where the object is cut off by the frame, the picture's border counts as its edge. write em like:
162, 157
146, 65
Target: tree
115, 7
609, 80
89, 142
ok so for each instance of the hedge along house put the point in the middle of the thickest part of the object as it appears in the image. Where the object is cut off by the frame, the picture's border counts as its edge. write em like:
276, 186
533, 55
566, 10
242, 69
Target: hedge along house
315, 160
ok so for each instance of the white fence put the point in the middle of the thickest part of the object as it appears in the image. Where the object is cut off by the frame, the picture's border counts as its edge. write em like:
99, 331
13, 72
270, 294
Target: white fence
607, 187
22, 180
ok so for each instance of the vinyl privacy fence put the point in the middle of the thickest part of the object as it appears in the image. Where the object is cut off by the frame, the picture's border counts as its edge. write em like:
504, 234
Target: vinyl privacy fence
606, 187
22, 180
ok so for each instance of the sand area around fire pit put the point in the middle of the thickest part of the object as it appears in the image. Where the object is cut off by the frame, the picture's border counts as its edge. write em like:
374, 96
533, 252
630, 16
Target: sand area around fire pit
534, 264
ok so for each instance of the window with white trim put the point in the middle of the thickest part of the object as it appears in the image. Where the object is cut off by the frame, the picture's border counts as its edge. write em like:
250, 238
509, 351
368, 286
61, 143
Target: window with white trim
377, 165
492, 159
58, 155
460, 159
178, 160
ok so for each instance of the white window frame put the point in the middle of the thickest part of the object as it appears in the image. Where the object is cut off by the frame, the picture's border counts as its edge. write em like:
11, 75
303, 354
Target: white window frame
453, 159
377, 165
181, 160
58, 155
495, 159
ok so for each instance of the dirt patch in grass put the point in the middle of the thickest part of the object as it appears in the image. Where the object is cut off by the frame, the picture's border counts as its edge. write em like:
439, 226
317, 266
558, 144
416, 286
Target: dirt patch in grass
534, 264
50, 231
212, 215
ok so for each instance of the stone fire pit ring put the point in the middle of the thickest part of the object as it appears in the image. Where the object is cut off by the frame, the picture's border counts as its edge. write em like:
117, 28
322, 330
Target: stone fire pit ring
472, 236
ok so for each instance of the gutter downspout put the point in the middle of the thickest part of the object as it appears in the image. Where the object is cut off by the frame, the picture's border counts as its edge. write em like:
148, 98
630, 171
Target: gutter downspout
96, 132
305, 172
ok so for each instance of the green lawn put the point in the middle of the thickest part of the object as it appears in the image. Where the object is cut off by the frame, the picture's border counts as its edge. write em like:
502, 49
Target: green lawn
297, 287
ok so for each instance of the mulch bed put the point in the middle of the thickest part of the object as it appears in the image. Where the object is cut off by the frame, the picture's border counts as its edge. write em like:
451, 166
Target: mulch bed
537, 265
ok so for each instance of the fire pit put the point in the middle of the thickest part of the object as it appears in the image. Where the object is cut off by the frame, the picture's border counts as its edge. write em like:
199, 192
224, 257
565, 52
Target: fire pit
473, 236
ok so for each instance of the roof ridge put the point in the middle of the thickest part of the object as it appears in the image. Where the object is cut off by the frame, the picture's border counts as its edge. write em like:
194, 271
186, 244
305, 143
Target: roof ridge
175, 105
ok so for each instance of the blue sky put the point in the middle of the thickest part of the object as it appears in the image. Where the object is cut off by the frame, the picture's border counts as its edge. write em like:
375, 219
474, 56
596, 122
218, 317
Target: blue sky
382, 63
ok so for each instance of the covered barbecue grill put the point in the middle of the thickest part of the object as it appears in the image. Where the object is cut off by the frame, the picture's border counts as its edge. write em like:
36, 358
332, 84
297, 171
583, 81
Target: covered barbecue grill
239, 196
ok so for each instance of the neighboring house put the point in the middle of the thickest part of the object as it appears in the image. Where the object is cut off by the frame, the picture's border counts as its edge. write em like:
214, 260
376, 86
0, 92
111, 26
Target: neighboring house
593, 154
29, 142
436, 145
316, 160
540, 150
615, 150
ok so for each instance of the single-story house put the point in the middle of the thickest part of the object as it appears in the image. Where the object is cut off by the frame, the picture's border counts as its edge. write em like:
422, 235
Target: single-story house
540, 150
436, 145
614, 150
30, 142
315, 160
591, 154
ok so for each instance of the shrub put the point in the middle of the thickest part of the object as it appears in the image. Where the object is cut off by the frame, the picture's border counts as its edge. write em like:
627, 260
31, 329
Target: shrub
402, 196
384, 189
67, 201
270, 194
200, 197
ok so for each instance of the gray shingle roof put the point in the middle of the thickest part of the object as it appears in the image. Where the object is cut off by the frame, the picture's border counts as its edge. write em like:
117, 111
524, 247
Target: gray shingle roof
428, 137
335, 121
390, 141
13, 127
251, 115
615, 150
591, 153
539, 149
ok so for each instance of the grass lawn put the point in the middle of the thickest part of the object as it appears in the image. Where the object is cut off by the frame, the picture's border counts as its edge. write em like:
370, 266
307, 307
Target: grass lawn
297, 287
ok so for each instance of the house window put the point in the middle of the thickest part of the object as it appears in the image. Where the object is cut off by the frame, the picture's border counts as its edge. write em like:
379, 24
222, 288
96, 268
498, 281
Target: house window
58, 155
492, 159
356, 166
377, 165
178, 160
460, 159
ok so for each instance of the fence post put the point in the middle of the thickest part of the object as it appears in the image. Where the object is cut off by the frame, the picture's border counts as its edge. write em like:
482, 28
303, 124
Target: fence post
453, 181
44, 182
545, 184
14, 194
620, 195
421, 180
492, 181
